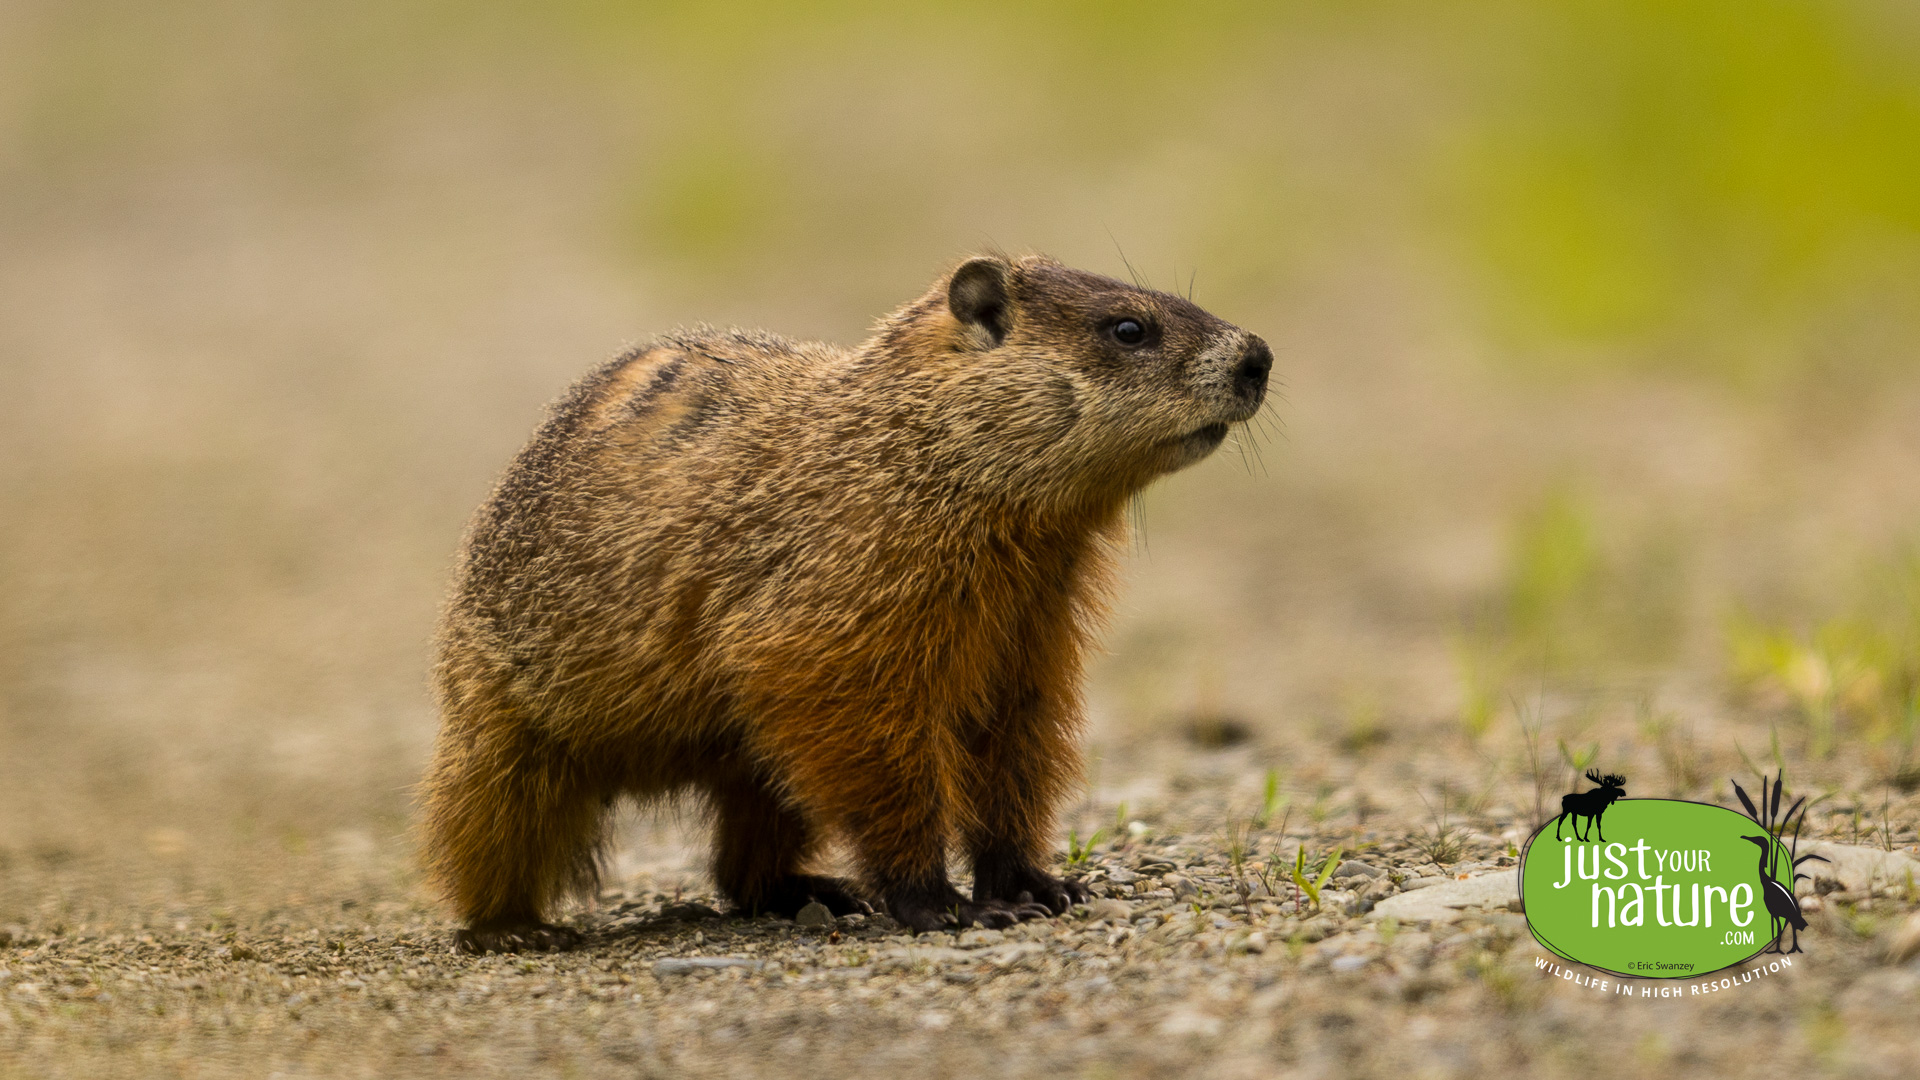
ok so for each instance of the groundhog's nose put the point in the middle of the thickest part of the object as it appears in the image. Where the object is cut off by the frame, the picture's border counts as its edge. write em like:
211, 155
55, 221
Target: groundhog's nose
1250, 377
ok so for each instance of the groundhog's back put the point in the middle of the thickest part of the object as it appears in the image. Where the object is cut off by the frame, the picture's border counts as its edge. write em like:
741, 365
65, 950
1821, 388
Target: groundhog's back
721, 519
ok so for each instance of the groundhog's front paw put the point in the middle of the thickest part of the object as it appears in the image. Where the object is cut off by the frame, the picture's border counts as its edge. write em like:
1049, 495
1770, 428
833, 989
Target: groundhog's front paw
508, 937
1025, 885
1058, 894
925, 910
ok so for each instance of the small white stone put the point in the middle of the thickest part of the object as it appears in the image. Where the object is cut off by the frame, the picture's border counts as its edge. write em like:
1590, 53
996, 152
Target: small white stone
1443, 901
1255, 942
1905, 943
1187, 1021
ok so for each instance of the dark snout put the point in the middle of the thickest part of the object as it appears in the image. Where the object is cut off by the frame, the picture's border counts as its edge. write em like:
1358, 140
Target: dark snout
1230, 383
1250, 373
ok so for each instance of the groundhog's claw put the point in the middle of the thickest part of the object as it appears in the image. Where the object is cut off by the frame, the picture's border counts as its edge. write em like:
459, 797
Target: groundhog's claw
925, 911
1023, 885
997, 914
516, 937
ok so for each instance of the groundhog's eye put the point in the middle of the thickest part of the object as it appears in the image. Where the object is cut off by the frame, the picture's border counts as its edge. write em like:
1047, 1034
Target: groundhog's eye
1128, 332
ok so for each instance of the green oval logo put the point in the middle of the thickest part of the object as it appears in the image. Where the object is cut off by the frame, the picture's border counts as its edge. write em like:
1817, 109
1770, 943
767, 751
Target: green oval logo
1658, 888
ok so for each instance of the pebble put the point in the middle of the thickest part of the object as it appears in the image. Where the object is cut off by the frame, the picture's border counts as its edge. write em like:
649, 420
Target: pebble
814, 915
1316, 928
687, 965
1443, 901
1113, 911
1859, 868
1905, 943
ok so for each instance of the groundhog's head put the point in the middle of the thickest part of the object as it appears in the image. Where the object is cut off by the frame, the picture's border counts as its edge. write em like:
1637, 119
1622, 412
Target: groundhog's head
1075, 381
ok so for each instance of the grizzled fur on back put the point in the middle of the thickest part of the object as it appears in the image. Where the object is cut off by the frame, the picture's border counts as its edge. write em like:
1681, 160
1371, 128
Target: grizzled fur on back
838, 593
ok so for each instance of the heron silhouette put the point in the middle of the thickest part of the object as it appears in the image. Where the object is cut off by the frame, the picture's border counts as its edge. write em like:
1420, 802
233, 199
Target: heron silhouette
1781, 903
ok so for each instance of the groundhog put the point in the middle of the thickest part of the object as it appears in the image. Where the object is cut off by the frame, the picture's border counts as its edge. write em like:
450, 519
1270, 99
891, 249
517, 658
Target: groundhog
838, 594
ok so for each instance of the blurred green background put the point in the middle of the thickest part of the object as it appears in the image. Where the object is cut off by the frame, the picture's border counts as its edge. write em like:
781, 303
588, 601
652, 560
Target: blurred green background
1598, 329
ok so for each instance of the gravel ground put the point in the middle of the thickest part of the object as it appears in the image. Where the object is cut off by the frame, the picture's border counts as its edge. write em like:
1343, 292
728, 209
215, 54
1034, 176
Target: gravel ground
1175, 969
282, 286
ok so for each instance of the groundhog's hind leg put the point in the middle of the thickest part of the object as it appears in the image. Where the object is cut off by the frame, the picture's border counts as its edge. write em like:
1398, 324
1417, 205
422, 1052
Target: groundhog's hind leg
512, 825
760, 848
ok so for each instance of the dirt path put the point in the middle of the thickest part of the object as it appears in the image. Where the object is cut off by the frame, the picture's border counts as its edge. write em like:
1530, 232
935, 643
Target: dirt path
1174, 973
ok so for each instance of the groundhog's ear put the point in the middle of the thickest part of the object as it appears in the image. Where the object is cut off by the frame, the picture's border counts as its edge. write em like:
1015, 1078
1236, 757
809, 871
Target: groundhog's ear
977, 296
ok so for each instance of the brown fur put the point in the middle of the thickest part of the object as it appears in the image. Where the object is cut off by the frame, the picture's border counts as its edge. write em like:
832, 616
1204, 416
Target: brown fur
843, 594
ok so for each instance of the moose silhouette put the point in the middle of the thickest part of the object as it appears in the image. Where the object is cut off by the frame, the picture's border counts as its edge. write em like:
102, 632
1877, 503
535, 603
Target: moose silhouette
1590, 804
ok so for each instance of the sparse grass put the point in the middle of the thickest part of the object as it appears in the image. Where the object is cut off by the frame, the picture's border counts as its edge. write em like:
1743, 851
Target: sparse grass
1483, 678
1321, 806
1854, 673
1311, 880
1444, 842
1581, 595
1080, 854
1365, 726
1778, 759
1122, 835
1862, 924
1530, 721
1886, 820
1236, 846
1672, 738
1272, 800
1905, 772
1500, 979
1579, 758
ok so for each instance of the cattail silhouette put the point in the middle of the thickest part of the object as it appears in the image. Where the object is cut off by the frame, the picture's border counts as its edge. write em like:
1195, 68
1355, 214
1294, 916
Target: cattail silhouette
1782, 905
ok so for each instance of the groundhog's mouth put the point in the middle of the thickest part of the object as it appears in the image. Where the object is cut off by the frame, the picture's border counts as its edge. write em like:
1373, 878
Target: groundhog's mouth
1206, 438
1195, 445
